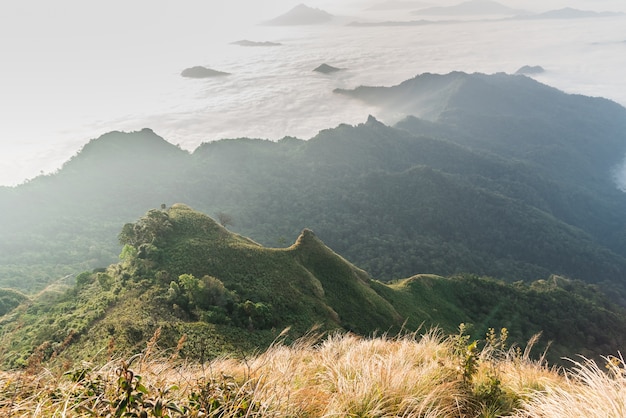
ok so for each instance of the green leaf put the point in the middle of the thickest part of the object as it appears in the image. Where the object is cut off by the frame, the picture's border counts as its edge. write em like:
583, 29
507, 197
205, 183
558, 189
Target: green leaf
121, 408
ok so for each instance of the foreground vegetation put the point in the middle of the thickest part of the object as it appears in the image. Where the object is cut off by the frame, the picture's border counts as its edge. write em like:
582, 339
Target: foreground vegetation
427, 375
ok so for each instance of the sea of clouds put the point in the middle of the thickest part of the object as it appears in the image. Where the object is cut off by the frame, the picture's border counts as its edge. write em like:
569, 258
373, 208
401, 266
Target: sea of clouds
75, 72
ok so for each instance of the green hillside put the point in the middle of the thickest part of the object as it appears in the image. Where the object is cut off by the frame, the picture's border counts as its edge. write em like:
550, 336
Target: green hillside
182, 273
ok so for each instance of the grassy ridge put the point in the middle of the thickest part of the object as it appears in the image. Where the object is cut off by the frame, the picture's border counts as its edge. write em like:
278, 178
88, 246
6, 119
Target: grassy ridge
184, 274
565, 312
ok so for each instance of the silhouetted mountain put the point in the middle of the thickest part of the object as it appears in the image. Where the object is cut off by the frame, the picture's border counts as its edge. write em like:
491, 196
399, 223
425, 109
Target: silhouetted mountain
202, 72
326, 69
301, 15
570, 13
472, 7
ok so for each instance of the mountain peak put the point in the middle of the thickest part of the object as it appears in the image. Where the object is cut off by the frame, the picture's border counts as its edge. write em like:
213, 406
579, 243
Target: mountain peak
142, 148
301, 15
372, 121
137, 141
307, 239
326, 69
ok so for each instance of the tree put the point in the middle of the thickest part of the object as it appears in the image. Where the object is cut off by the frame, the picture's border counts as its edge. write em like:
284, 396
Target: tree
224, 219
146, 230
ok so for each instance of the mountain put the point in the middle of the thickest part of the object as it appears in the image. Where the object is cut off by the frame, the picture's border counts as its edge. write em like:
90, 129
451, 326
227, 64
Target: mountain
469, 8
60, 224
352, 177
301, 15
326, 69
520, 119
184, 274
570, 13
515, 117
499, 176
202, 72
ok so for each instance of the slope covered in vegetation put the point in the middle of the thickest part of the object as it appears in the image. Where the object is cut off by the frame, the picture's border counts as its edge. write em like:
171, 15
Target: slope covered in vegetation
518, 185
184, 274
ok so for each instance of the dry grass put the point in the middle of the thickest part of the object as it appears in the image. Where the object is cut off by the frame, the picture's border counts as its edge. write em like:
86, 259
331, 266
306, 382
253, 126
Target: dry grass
339, 376
586, 391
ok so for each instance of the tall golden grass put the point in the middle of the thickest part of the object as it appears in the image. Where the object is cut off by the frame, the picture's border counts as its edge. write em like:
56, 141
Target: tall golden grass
586, 391
338, 376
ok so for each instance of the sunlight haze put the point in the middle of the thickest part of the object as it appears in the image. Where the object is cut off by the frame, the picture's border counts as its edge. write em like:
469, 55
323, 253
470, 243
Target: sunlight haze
74, 70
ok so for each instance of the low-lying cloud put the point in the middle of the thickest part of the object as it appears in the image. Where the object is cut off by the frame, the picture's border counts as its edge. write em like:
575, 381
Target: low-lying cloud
273, 92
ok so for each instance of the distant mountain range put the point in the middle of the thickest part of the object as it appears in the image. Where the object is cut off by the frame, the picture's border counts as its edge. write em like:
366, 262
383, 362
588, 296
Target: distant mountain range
470, 8
493, 113
495, 175
483, 8
570, 13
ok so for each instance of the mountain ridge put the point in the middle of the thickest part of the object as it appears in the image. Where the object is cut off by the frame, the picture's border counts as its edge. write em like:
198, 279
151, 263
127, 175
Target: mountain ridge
550, 170
182, 273
517, 101
472, 7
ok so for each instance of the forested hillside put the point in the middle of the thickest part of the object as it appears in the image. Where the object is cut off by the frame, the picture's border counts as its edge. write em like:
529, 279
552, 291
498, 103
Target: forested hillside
517, 185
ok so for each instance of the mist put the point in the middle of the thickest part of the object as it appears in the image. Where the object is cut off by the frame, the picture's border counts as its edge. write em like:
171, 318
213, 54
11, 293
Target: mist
75, 71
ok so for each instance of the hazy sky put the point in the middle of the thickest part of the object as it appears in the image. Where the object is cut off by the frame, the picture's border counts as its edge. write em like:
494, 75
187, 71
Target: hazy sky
74, 69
